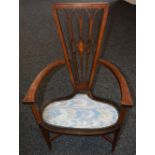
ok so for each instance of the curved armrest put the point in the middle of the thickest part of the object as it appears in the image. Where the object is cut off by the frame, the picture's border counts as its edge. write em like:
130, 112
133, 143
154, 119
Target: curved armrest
126, 98
30, 96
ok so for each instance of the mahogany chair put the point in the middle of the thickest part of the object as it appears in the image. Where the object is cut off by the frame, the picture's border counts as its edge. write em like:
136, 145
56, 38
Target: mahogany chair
81, 113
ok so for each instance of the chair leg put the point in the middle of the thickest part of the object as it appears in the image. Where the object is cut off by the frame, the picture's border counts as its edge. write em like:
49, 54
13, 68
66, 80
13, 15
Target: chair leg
46, 136
116, 134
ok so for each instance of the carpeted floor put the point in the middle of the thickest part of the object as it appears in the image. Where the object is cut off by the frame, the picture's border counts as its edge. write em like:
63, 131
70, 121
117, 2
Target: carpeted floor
39, 45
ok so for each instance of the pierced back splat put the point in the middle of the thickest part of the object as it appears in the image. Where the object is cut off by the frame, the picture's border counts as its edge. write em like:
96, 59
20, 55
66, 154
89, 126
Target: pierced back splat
81, 48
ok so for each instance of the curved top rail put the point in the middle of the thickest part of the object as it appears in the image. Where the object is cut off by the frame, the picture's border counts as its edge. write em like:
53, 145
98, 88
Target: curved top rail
81, 5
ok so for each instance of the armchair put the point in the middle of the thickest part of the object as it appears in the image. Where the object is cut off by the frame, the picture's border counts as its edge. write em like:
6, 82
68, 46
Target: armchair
81, 113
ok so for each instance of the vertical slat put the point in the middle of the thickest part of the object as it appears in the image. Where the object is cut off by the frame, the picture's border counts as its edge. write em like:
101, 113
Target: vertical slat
86, 65
75, 64
80, 36
57, 21
72, 41
88, 51
80, 43
90, 38
89, 42
91, 21
81, 67
80, 19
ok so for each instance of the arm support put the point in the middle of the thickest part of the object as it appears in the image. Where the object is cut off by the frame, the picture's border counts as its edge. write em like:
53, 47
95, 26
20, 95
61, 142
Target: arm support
30, 96
125, 93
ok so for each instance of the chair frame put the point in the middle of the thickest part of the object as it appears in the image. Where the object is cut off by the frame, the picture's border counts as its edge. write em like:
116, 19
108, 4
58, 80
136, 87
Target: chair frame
126, 99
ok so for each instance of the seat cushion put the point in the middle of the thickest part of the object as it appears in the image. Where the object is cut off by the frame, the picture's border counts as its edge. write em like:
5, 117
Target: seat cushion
80, 112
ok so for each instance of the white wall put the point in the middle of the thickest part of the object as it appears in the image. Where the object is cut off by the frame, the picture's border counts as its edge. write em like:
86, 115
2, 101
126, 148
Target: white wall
131, 1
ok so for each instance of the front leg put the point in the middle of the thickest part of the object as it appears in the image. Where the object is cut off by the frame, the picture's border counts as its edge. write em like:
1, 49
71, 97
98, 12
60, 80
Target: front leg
46, 135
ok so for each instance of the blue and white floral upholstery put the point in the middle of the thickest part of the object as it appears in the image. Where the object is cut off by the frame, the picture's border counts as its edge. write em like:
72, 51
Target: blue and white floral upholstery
80, 112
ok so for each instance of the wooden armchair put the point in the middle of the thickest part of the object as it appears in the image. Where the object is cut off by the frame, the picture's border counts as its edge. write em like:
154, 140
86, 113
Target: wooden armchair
81, 113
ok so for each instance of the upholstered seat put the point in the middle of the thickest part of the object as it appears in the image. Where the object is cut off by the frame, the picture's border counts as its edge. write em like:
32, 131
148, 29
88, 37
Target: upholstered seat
80, 112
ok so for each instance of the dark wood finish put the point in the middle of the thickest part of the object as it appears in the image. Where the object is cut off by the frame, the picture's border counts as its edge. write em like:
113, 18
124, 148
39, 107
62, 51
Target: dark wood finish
46, 136
91, 5
79, 131
116, 134
81, 46
36, 113
54, 136
81, 80
108, 138
123, 111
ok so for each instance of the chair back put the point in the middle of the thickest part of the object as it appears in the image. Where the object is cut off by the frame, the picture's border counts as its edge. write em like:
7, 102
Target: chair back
81, 28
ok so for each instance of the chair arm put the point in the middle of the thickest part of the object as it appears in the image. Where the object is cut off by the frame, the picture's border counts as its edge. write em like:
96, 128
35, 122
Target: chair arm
31, 93
126, 98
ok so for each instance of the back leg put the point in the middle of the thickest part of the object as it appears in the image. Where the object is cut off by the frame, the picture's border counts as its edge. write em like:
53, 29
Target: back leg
116, 135
46, 136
